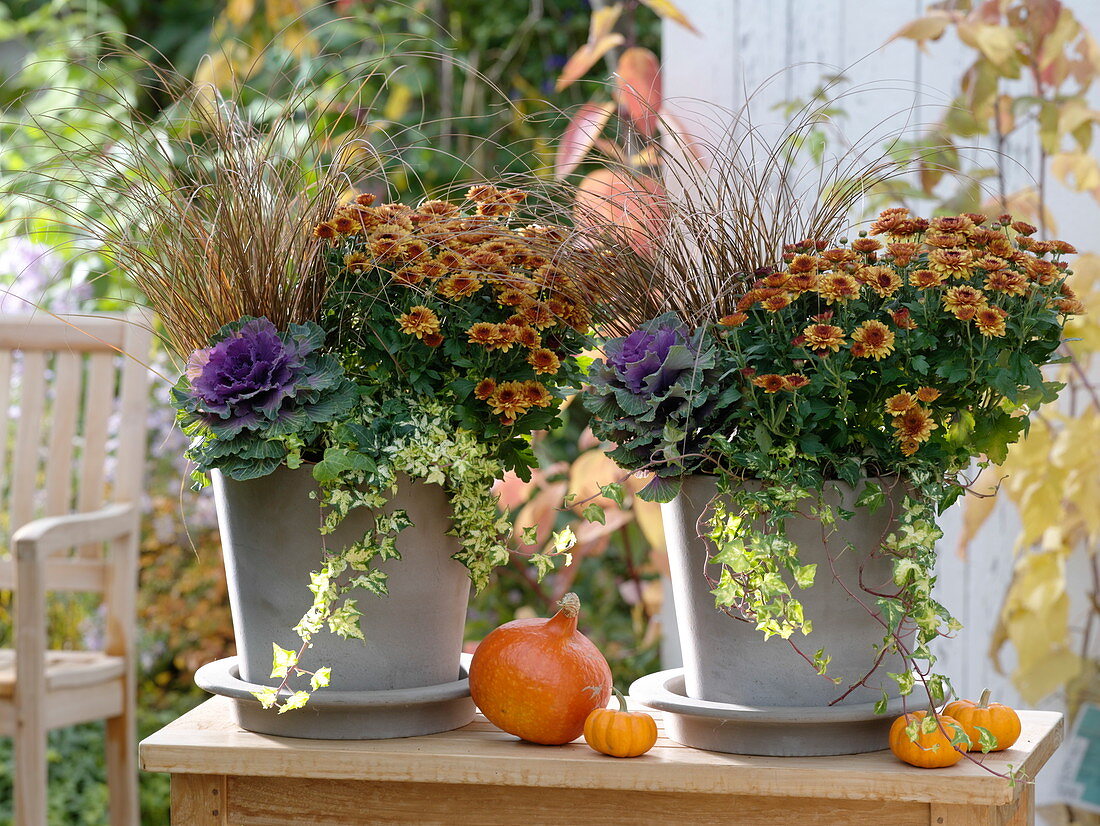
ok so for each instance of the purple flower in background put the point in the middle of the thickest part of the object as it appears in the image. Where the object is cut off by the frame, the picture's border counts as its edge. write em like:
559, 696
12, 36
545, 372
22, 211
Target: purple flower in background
247, 375
640, 359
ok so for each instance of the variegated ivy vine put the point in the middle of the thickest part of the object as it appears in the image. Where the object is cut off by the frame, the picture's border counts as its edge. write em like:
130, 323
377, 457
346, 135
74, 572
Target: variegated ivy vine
362, 468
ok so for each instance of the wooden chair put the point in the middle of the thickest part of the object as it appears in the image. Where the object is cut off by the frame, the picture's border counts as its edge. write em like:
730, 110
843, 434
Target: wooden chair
73, 525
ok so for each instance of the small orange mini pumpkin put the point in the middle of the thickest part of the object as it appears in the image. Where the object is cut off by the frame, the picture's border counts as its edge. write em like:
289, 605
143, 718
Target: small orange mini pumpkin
999, 720
620, 733
933, 748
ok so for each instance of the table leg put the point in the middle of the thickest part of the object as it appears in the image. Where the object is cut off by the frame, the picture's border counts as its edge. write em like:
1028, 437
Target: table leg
1020, 813
199, 800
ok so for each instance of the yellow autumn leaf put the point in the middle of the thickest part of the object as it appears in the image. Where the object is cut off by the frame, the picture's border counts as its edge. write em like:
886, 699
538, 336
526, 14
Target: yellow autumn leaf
1077, 170
996, 43
923, 29
239, 12
1035, 620
666, 9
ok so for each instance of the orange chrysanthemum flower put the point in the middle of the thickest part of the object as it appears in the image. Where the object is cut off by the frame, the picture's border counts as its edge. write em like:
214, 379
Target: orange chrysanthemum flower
877, 339
963, 296
838, 256
1024, 228
795, 380
484, 389
802, 263
504, 337
1006, 281
345, 224
365, 198
432, 339
823, 338
896, 405
908, 448
437, 208
955, 263
458, 286
902, 252
538, 315
775, 303
914, 425
803, 282
888, 220
903, 319
537, 394
544, 360
770, 382
952, 223
927, 394
356, 263
408, 277
837, 286
483, 333
990, 263
527, 336
883, 280
733, 320
386, 241
419, 321
509, 400
866, 245
990, 321
325, 231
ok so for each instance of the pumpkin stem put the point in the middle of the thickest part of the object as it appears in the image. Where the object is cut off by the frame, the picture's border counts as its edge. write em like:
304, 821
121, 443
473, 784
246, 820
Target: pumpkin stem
983, 701
621, 699
570, 605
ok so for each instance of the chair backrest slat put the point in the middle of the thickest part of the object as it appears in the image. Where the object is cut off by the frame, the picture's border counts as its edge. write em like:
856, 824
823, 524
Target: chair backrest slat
32, 403
98, 401
63, 416
5, 403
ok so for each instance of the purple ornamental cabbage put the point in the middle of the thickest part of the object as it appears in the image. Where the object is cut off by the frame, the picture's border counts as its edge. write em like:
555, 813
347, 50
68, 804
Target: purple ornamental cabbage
640, 359
244, 378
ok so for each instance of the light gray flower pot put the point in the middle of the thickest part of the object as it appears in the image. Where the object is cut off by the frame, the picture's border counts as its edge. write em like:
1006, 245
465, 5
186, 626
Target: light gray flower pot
727, 661
271, 541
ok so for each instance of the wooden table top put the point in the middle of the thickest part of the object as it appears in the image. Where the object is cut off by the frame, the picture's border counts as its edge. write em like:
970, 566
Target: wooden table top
207, 740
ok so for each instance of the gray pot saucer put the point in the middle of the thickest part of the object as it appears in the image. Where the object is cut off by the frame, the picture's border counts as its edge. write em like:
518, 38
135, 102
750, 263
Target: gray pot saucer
777, 731
347, 715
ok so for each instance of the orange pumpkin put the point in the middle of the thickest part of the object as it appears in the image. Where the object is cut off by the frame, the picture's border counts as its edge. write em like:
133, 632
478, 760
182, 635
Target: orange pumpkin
932, 749
999, 720
539, 679
620, 733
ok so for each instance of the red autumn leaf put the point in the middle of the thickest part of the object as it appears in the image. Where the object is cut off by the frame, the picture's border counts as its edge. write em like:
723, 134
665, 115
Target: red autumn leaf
638, 87
580, 135
629, 206
601, 40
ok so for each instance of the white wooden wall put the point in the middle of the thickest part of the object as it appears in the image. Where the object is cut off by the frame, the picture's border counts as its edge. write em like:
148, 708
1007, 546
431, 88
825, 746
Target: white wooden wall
746, 42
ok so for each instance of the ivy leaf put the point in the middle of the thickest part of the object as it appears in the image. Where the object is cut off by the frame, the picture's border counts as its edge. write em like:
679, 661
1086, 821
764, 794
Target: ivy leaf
880, 706
594, 513
613, 491
530, 535
282, 661
871, 497
295, 700
804, 575
320, 678
266, 696
904, 681
986, 739
345, 621
892, 613
564, 540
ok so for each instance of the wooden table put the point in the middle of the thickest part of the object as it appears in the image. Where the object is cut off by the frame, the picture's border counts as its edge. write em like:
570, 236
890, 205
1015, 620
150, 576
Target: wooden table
222, 774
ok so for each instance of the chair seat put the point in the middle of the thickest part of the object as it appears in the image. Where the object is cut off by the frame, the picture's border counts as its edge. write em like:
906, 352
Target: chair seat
64, 669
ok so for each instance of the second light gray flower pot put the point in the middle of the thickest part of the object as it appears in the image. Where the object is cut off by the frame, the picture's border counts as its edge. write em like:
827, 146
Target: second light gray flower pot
271, 542
728, 661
